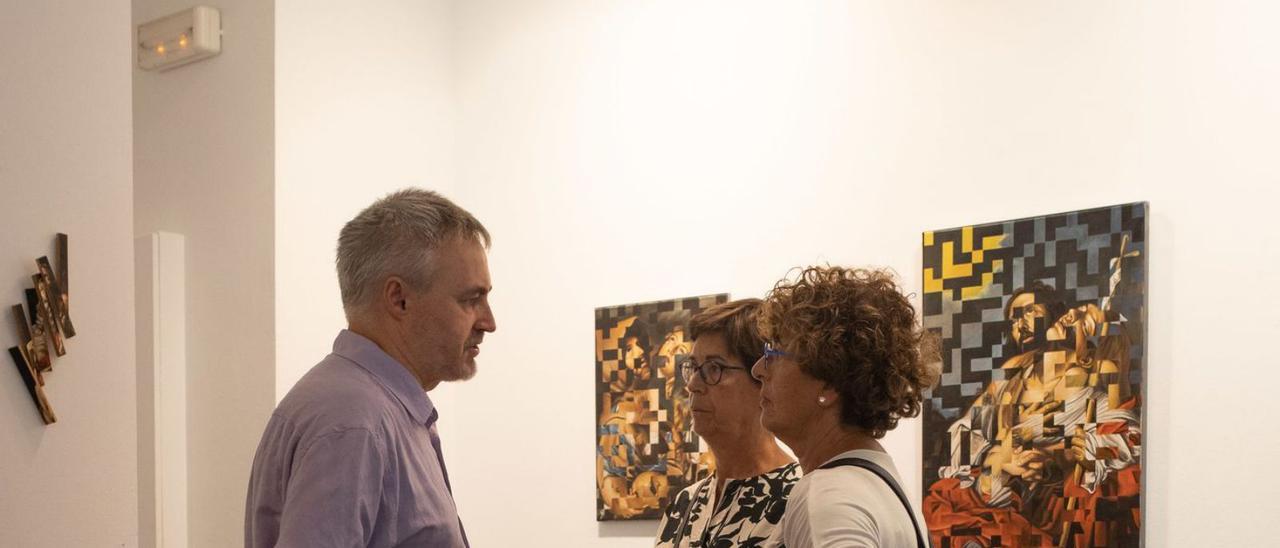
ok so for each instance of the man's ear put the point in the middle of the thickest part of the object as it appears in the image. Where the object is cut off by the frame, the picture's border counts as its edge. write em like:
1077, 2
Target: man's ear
394, 297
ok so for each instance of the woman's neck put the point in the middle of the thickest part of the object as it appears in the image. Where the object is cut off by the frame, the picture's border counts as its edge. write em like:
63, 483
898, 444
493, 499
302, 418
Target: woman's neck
826, 442
747, 456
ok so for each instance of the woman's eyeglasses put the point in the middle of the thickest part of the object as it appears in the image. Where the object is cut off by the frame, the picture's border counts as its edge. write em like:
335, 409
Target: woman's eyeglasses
771, 353
711, 371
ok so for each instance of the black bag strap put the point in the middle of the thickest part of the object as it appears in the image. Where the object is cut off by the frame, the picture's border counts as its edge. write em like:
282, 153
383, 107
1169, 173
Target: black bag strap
893, 484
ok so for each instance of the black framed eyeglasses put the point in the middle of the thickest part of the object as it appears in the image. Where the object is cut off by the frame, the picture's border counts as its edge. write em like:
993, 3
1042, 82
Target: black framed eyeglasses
711, 371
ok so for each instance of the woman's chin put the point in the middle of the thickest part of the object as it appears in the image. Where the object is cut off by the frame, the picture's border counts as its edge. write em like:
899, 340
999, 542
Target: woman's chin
769, 421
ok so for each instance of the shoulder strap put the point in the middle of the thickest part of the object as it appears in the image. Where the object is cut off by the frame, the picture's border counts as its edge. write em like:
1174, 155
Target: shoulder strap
893, 484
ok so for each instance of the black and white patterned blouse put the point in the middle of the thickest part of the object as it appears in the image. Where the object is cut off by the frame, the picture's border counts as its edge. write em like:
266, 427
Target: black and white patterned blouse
745, 517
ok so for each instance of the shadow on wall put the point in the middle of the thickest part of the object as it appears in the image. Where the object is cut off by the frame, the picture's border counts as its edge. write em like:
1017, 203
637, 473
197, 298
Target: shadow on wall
629, 529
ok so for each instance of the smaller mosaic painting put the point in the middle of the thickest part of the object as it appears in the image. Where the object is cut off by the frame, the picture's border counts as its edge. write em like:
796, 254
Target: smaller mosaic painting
646, 450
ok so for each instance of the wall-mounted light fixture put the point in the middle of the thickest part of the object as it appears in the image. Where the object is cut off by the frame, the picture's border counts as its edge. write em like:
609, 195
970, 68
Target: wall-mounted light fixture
181, 38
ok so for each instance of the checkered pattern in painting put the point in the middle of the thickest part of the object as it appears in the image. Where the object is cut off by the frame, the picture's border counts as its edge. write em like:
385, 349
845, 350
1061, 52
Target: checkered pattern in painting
645, 449
1095, 263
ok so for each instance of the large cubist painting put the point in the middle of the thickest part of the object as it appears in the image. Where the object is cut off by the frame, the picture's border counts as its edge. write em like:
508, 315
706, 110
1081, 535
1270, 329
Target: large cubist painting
1033, 437
646, 451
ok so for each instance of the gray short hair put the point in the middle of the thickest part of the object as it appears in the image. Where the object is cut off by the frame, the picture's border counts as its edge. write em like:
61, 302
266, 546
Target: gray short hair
395, 236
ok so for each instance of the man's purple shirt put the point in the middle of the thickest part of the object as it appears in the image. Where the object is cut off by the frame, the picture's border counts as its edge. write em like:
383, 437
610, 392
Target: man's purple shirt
351, 457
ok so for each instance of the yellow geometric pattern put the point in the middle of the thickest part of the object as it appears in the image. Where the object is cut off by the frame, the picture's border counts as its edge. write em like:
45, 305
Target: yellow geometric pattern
952, 270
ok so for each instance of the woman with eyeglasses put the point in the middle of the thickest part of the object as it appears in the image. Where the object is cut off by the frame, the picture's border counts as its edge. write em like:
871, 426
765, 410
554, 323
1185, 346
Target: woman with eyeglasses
847, 360
741, 502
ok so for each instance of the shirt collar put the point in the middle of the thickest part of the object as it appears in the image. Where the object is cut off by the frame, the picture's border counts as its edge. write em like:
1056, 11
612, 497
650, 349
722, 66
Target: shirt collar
391, 373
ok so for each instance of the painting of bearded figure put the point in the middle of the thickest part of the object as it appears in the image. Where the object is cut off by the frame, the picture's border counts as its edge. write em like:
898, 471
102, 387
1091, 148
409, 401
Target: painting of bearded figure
1033, 437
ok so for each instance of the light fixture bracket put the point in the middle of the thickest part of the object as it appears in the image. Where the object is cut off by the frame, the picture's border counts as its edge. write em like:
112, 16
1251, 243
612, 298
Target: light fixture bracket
180, 38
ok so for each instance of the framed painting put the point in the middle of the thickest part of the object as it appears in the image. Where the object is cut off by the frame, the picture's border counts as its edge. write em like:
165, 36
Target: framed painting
646, 451
1033, 436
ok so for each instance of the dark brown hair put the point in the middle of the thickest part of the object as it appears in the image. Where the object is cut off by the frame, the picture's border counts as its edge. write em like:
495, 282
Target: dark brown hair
856, 331
736, 322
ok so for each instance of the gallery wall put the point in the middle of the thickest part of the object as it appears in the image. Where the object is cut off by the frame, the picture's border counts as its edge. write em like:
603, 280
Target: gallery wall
66, 166
204, 168
364, 107
625, 151
258, 156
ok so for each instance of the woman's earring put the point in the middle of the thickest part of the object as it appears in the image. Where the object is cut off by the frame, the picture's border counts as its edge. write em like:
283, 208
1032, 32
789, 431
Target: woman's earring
822, 400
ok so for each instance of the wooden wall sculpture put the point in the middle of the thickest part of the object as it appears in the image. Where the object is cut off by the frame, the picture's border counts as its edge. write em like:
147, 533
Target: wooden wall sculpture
44, 326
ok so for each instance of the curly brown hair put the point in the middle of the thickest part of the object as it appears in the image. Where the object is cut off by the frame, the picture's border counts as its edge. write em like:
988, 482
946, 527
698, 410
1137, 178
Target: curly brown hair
736, 322
854, 329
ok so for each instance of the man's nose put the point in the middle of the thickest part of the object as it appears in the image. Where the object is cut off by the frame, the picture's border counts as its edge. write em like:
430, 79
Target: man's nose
487, 322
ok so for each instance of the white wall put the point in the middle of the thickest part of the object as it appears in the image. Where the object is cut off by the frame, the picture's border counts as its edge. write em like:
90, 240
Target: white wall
628, 151
258, 156
65, 166
364, 106
204, 168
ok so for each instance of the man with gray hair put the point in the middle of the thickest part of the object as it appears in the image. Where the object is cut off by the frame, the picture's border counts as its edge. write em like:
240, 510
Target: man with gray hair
351, 456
